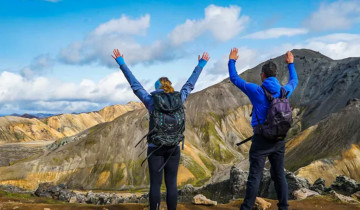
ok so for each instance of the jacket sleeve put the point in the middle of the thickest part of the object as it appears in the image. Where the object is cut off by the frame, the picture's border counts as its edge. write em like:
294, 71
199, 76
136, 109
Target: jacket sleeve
138, 89
190, 83
250, 89
293, 79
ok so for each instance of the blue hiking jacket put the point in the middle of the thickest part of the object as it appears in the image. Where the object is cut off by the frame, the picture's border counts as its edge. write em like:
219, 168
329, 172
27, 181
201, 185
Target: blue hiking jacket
257, 95
147, 99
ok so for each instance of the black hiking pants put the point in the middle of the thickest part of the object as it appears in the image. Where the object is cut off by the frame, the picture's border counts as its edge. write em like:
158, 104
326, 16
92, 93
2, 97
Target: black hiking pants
260, 149
170, 170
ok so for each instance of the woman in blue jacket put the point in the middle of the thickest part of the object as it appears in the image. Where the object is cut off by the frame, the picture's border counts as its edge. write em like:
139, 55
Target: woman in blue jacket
164, 158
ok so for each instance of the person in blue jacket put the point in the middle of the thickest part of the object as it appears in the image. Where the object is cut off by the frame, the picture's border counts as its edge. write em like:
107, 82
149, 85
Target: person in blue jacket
161, 155
262, 147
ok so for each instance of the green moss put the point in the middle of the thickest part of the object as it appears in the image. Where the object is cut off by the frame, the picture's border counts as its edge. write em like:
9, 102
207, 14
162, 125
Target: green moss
196, 170
14, 195
212, 142
207, 162
56, 160
19, 135
136, 176
218, 118
117, 176
90, 142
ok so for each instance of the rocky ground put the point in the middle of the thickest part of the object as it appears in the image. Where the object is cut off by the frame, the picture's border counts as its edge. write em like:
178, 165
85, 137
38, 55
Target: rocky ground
26, 202
343, 193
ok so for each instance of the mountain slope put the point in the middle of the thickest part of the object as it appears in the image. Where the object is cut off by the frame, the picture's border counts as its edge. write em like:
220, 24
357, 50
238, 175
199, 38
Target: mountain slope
329, 148
18, 129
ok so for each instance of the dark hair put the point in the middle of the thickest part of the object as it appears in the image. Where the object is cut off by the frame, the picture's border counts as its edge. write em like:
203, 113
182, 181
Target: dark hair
166, 85
270, 69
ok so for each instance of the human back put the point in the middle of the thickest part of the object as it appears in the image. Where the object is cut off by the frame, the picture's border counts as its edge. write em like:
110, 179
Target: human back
167, 125
271, 116
167, 120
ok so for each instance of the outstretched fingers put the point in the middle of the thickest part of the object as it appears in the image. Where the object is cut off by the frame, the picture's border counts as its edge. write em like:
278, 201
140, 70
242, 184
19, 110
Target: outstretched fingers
205, 56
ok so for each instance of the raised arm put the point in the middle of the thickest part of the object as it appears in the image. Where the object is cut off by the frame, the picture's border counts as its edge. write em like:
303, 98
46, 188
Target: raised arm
246, 87
190, 83
293, 79
138, 89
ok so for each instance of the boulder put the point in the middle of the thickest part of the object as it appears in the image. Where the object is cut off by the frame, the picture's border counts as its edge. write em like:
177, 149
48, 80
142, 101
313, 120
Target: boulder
14, 189
238, 180
81, 198
265, 185
73, 199
345, 185
295, 182
343, 198
319, 186
90, 197
261, 204
356, 195
42, 190
202, 200
303, 193
187, 190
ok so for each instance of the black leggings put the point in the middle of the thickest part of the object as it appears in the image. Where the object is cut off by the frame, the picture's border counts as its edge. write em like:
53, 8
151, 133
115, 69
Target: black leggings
156, 160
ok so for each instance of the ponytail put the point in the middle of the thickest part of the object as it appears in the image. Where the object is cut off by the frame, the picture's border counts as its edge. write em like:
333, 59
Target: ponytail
166, 85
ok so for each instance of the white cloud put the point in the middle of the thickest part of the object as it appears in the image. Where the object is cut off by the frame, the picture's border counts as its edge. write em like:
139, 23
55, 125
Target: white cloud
335, 46
223, 23
337, 15
38, 66
247, 59
276, 33
124, 25
217, 70
119, 33
44, 94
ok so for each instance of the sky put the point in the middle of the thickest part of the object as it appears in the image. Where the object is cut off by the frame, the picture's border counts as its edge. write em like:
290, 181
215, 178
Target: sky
55, 55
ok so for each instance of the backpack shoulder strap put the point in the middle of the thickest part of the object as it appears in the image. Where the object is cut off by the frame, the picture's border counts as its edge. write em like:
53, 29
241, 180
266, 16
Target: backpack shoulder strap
284, 93
167, 102
269, 96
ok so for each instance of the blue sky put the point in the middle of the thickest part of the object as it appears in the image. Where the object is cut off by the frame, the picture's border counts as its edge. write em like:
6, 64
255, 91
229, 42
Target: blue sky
55, 55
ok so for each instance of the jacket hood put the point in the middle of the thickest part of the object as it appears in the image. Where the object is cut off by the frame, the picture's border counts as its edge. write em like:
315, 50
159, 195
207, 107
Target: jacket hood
272, 84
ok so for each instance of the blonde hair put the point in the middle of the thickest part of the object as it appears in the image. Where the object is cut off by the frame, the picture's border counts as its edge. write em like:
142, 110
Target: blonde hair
166, 85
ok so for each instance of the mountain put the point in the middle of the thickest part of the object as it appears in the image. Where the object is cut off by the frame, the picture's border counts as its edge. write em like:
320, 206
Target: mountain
104, 157
18, 129
330, 148
71, 124
34, 115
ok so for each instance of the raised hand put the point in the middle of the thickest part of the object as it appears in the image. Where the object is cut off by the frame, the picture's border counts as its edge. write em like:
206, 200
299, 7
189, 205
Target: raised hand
234, 54
205, 56
289, 57
116, 54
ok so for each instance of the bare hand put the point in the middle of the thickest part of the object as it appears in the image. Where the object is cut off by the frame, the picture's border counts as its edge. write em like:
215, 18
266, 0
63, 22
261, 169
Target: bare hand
205, 56
116, 54
289, 57
234, 54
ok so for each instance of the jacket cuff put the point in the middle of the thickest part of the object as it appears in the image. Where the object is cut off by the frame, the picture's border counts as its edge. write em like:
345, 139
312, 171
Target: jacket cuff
202, 63
120, 60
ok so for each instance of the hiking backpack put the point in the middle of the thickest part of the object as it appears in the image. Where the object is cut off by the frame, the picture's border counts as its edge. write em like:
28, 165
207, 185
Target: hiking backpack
167, 122
279, 117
